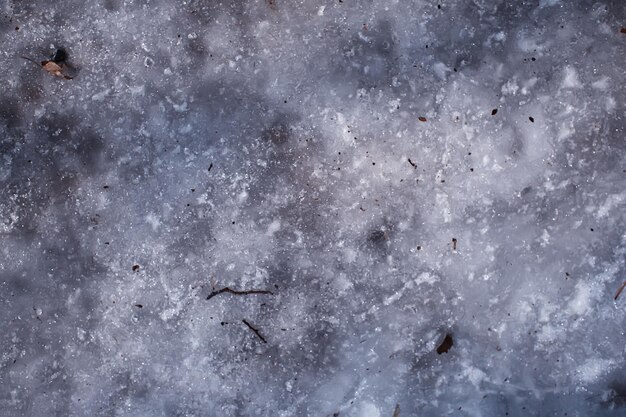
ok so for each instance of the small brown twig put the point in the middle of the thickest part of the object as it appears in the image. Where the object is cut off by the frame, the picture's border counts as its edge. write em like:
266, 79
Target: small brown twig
619, 290
256, 332
413, 164
33, 61
235, 292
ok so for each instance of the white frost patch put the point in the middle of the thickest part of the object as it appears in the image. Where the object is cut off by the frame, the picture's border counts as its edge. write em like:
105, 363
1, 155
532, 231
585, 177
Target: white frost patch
475, 375
610, 203
101, 95
180, 108
423, 278
153, 221
369, 410
570, 78
441, 70
444, 207
342, 283
593, 368
547, 3
510, 87
242, 197
581, 302
320, 11
273, 227
136, 91
602, 84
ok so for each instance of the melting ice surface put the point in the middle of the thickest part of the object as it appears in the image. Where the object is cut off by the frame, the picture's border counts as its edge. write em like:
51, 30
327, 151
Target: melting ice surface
392, 171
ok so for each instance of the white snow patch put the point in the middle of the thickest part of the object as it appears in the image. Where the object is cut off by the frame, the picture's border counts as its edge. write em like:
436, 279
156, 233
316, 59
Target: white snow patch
369, 410
101, 95
580, 304
153, 221
602, 84
593, 368
570, 78
610, 203
273, 227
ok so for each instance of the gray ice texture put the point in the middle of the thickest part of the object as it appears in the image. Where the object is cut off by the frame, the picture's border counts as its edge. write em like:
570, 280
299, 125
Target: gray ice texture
386, 172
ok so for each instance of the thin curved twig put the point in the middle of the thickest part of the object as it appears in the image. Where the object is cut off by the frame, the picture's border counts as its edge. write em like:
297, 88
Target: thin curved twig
235, 292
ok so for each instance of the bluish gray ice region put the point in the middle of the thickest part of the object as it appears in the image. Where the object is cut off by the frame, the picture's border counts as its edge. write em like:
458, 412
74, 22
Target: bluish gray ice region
277, 145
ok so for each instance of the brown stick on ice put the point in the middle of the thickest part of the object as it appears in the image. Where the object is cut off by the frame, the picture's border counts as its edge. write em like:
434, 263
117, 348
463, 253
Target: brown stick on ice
255, 330
226, 289
619, 291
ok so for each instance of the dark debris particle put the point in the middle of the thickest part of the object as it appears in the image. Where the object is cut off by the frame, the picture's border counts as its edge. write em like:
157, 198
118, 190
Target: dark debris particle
59, 56
135, 268
377, 236
419, 247
413, 164
422, 119
494, 112
210, 166
532, 119
445, 346
139, 305
106, 187
454, 242
623, 30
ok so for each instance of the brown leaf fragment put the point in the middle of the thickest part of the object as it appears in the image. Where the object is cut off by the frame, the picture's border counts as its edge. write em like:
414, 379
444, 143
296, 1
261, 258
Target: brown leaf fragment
623, 30
445, 346
54, 69
396, 411
619, 290
422, 119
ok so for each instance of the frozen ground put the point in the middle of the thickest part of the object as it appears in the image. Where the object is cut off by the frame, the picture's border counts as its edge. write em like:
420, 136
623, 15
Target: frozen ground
277, 145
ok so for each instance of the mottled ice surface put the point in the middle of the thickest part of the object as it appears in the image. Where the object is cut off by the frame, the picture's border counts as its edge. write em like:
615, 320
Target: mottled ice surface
328, 152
